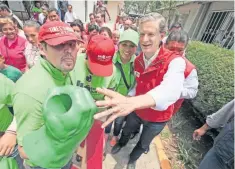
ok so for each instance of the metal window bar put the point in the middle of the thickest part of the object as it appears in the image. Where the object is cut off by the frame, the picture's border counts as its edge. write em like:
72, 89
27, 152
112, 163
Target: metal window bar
223, 28
226, 26
223, 16
211, 31
207, 27
228, 43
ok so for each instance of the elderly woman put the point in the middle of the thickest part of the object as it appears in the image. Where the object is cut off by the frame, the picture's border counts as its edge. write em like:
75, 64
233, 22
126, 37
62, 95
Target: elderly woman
123, 60
32, 52
12, 46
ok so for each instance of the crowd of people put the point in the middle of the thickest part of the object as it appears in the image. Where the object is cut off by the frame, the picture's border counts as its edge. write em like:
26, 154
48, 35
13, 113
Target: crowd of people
136, 72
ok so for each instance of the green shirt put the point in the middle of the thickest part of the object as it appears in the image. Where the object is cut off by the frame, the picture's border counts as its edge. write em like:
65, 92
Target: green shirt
128, 72
84, 78
12, 73
6, 89
30, 93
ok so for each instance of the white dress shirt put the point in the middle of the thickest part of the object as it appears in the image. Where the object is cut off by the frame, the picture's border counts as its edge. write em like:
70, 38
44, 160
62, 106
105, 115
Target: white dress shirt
41, 18
69, 17
173, 86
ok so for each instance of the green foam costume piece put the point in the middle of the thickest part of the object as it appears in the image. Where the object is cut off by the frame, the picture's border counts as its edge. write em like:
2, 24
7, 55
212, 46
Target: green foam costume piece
8, 163
68, 115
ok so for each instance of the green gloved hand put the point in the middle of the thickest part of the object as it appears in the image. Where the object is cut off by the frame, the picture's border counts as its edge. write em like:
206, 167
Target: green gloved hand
68, 113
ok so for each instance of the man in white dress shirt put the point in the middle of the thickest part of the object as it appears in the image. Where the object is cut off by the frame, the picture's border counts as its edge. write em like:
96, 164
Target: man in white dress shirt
70, 16
159, 84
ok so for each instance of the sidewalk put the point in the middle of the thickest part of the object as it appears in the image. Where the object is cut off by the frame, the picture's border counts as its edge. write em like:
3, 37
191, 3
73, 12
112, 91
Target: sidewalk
119, 160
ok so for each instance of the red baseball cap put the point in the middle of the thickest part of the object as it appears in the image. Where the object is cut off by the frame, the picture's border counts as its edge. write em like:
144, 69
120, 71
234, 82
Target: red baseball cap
55, 33
100, 51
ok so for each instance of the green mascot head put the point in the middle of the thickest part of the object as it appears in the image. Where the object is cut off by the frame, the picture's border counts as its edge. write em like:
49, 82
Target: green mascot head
68, 115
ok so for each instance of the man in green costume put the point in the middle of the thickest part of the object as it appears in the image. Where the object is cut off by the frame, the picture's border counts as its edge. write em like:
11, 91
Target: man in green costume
47, 125
95, 69
9, 157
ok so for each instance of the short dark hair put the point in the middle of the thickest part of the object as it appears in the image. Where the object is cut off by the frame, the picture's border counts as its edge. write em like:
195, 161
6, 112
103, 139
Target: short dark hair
101, 14
93, 27
53, 10
106, 29
69, 5
179, 36
4, 7
79, 23
91, 14
176, 25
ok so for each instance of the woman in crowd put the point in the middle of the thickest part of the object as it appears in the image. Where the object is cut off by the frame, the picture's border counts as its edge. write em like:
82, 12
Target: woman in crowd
78, 28
105, 31
123, 60
12, 46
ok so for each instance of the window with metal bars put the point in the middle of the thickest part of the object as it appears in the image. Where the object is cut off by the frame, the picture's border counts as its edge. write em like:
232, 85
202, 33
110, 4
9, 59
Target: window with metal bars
220, 29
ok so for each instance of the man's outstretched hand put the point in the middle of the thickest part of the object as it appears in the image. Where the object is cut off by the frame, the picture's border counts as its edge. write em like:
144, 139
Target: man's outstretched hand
121, 105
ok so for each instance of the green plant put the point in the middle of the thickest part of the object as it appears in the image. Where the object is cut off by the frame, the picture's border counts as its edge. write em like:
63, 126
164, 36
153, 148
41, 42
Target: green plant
215, 68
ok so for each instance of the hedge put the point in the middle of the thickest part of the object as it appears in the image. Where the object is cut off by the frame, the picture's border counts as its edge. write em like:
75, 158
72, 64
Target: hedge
215, 68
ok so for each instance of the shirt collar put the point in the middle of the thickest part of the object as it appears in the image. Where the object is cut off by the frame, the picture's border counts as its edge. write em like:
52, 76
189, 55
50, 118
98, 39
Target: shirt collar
147, 62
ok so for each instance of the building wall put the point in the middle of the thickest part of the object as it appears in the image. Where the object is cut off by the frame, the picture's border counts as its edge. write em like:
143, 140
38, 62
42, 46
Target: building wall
222, 6
189, 11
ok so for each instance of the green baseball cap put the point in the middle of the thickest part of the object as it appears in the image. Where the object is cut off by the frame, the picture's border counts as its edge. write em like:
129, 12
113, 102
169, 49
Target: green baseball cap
68, 115
129, 35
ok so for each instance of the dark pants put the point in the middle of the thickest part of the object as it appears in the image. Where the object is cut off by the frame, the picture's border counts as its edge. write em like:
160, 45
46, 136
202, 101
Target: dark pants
221, 155
117, 126
68, 166
150, 130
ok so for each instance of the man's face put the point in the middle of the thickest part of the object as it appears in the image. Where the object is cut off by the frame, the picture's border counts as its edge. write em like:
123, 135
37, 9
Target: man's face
44, 11
99, 3
62, 56
116, 38
38, 5
127, 24
150, 37
4, 13
127, 49
31, 34
98, 18
70, 8
92, 19
53, 16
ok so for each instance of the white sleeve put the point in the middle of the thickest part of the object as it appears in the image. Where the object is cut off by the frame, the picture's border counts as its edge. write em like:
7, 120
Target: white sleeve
65, 18
12, 126
132, 92
168, 92
190, 86
75, 16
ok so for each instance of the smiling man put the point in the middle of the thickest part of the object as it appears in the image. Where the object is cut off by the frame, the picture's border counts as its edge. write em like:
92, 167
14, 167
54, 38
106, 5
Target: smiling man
59, 47
159, 75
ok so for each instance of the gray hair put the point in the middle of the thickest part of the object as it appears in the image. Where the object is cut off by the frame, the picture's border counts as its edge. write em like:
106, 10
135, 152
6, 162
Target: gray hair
156, 17
179, 36
32, 24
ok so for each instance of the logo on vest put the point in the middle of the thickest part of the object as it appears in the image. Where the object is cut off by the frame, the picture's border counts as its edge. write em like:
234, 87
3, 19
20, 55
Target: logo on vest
137, 74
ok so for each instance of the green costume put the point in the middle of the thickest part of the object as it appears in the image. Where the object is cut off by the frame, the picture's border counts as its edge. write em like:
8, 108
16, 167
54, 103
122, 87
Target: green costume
30, 94
68, 114
84, 78
128, 68
6, 88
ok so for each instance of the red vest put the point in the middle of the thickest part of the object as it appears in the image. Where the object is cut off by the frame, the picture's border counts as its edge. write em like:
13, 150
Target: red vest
14, 54
188, 70
149, 79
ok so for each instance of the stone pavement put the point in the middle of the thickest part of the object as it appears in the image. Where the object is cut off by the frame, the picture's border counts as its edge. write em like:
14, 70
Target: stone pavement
119, 160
